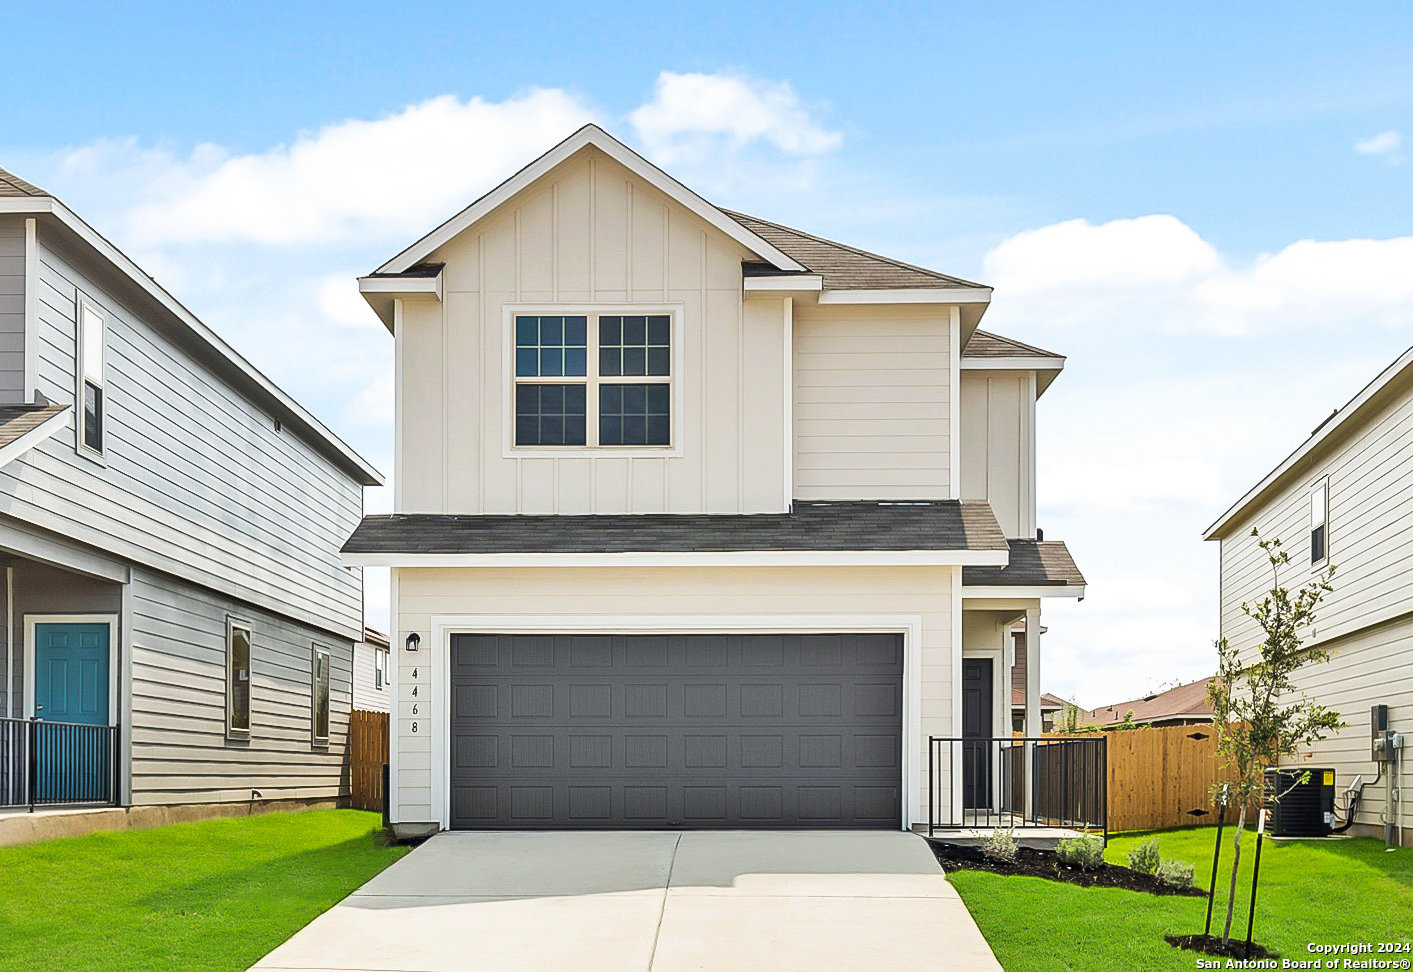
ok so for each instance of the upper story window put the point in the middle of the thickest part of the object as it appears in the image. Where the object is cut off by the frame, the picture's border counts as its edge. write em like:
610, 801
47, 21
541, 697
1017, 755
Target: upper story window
593, 380
90, 371
380, 668
1319, 522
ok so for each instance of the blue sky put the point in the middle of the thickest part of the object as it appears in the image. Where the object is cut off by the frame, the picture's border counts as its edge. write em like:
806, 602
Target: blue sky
1207, 207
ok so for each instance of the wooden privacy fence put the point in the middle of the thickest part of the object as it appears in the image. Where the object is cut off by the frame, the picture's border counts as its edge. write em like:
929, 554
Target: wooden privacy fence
1162, 777
367, 752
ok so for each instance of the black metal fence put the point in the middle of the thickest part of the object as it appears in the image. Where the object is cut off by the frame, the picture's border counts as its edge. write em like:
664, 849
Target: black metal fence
1017, 782
57, 764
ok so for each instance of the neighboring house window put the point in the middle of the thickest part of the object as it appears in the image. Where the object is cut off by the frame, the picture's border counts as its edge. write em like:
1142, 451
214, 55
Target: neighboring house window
237, 678
1319, 521
380, 669
90, 373
600, 380
319, 676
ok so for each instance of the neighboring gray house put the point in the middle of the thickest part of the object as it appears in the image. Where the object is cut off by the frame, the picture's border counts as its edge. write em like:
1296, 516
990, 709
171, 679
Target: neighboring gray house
1344, 497
370, 672
176, 617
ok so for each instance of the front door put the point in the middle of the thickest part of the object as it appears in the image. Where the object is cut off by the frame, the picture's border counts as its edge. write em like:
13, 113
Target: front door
976, 733
71, 684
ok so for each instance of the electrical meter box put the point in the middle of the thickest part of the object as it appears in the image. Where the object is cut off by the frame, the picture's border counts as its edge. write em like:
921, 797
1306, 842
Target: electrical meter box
1378, 725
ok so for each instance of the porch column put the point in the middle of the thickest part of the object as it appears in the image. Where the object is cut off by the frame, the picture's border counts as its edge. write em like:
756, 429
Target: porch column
1033, 726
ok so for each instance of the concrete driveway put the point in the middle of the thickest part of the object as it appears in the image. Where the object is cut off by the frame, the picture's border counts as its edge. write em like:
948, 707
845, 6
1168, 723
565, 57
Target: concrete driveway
665, 902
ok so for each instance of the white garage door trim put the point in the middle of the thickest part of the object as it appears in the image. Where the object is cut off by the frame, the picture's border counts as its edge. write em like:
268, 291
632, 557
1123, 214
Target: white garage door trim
438, 664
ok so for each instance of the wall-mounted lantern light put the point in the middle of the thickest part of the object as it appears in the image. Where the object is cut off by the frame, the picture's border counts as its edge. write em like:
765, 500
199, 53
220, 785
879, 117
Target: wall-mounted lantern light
413, 640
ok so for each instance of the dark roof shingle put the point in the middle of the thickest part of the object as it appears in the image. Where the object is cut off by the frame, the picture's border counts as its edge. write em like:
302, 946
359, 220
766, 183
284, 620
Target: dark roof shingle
923, 525
16, 420
13, 185
1034, 563
845, 267
984, 344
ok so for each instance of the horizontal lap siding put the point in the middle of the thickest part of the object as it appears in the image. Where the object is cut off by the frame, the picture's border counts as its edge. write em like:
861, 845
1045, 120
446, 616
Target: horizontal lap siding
12, 309
197, 482
366, 694
872, 403
180, 753
1370, 533
425, 594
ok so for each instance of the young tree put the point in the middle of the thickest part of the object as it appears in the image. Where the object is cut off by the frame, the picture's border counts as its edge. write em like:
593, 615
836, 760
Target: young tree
1254, 728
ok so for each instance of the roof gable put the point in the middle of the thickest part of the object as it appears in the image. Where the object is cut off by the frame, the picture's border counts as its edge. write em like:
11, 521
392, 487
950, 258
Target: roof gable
589, 135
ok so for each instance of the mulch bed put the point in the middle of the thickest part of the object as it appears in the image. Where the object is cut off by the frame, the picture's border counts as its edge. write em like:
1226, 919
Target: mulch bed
1212, 945
1031, 862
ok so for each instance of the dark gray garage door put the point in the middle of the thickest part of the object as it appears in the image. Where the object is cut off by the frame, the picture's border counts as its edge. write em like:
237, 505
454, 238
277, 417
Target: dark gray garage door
577, 731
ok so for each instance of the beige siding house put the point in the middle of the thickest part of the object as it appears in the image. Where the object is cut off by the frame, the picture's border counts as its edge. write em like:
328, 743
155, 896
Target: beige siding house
699, 518
1345, 497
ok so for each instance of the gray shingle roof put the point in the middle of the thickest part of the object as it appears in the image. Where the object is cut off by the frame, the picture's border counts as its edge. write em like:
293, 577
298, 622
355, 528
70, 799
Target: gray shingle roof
846, 267
1034, 563
984, 344
16, 420
13, 185
923, 525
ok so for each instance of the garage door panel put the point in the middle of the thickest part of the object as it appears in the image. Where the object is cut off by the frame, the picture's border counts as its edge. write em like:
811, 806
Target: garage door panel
682, 730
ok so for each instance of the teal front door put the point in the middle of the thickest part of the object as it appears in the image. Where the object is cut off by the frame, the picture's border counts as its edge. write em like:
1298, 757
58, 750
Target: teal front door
74, 746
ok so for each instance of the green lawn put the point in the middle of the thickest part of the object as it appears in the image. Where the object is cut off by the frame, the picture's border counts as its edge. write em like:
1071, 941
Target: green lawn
1329, 891
214, 895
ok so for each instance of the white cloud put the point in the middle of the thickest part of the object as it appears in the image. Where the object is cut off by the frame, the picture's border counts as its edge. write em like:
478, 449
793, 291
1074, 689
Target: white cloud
395, 176
696, 115
1385, 144
338, 300
1156, 273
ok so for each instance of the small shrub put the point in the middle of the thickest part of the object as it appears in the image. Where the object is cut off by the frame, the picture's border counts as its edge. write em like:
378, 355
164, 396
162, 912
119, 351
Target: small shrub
1178, 874
1145, 858
1000, 845
1085, 853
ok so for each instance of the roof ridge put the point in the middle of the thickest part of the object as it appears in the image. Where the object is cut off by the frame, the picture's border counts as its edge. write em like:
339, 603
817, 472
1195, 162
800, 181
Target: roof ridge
853, 249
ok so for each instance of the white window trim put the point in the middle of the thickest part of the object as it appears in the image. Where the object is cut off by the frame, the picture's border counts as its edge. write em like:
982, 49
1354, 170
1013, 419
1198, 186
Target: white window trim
509, 450
111, 620
1323, 483
435, 662
380, 669
86, 307
232, 623
315, 650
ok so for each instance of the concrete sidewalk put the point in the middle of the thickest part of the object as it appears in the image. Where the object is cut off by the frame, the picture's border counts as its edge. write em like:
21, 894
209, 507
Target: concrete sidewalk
653, 901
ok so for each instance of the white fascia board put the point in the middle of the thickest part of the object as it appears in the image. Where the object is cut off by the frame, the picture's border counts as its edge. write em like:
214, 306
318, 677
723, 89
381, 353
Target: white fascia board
620, 153
51, 426
1348, 414
785, 283
1012, 364
36, 205
726, 558
941, 295
1022, 593
407, 287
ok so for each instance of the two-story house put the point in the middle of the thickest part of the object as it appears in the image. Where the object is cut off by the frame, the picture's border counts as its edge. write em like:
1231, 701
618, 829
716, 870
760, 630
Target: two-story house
701, 521
1344, 497
177, 626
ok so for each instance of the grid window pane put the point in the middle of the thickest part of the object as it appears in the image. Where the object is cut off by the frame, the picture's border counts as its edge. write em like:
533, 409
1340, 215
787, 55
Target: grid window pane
549, 414
550, 346
635, 346
635, 414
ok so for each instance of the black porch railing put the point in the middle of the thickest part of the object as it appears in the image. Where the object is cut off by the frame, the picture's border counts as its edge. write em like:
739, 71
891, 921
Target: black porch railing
57, 764
1017, 782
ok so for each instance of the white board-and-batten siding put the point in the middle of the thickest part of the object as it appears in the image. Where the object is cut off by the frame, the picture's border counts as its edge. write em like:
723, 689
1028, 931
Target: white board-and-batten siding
872, 400
588, 236
998, 446
195, 480
12, 309
180, 749
1366, 623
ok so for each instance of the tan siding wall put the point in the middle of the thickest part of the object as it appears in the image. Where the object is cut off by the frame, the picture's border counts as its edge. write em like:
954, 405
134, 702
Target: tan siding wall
998, 435
588, 233
427, 593
871, 402
12, 309
366, 694
180, 753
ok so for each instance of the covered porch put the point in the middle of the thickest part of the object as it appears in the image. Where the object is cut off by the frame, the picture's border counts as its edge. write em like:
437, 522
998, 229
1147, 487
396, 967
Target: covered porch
60, 669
